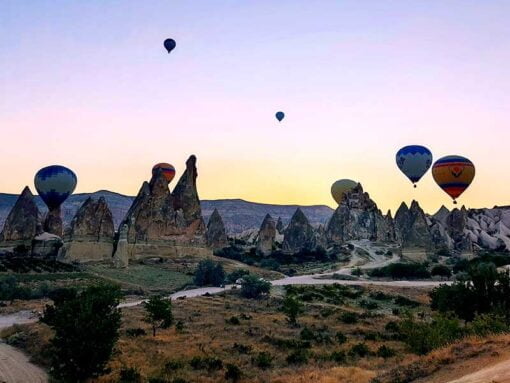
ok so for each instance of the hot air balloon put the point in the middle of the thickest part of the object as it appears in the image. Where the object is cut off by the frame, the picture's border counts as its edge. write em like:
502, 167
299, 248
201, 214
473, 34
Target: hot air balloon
414, 161
167, 170
340, 187
453, 174
280, 116
54, 184
169, 45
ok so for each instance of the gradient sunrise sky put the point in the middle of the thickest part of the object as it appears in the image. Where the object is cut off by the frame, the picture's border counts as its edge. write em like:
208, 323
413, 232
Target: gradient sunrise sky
88, 84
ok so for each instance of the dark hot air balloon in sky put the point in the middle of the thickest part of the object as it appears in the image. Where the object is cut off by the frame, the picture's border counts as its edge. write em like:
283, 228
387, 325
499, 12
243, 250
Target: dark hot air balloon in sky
414, 161
280, 116
453, 174
54, 184
167, 169
169, 45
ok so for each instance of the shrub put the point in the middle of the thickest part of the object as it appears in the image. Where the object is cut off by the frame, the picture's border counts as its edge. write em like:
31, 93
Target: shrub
487, 324
233, 373
379, 295
254, 287
405, 302
233, 320
349, 318
392, 326
385, 352
401, 271
236, 274
135, 332
441, 271
338, 356
173, 365
209, 273
299, 356
359, 350
158, 313
241, 348
86, 327
357, 272
340, 338
368, 304
292, 307
263, 360
130, 375
206, 363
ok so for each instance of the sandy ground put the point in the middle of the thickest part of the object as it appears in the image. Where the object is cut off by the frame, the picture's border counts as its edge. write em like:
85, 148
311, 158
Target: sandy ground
16, 368
499, 373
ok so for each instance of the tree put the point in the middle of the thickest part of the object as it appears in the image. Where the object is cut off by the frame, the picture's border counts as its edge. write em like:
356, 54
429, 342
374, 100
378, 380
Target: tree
209, 273
441, 271
292, 307
254, 287
158, 313
86, 326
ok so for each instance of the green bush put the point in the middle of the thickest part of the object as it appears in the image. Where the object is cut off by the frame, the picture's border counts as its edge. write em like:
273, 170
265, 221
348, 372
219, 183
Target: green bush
401, 271
385, 352
487, 324
130, 375
340, 338
206, 363
233, 373
441, 271
349, 317
299, 356
338, 356
233, 320
209, 273
263, 360
236, 274
292, 307
405, 302
254, 287
359, 350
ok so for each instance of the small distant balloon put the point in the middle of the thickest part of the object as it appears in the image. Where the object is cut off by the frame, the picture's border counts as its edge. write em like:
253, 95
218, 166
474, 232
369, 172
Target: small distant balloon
54, 184
168, 170
414, 161
339, 188
169, 45
453, 174
280, 116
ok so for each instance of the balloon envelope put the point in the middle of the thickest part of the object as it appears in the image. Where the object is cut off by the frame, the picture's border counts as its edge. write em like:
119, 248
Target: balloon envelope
280, 116
414, 161
54, 184
167, 170
453, 174
169, 45
340, 187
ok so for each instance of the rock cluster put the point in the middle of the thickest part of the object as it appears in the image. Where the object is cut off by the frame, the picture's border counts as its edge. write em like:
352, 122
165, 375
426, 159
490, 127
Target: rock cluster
23, 222
90, 236
216, 235
266, 236
299, 234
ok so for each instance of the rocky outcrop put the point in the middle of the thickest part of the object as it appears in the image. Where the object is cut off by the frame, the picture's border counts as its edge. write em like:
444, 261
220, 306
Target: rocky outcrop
53, 222
357, 217
216, 235
121, 255
299, 234
22, 223
266, 236
46, 245
90, 236
279, 226
164, 224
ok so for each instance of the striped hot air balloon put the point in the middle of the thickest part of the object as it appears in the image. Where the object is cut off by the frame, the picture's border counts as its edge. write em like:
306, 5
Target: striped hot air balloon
453, 174
54, 184
167, 169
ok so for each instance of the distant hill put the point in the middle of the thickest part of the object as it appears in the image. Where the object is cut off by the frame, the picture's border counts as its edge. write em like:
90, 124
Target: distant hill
238, 215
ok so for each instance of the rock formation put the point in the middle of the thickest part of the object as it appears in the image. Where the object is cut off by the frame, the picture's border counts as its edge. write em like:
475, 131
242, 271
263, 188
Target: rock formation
266, 236
299, 234
90, 236
46, 245
216, 235
22, 223
279, 226
357, 217
53, 222
161, 224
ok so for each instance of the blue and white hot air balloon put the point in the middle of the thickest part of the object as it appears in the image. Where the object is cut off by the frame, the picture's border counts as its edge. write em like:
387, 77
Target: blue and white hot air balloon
54, 184
414, 161
280, 116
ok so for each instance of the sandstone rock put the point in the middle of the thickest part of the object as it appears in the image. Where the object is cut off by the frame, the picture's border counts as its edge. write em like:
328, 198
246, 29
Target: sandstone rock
53, 222
279, 226
266, 236
299, 234
22, 223
121, 257
357, 217
46, 245
185, 194
90, 237
216, 235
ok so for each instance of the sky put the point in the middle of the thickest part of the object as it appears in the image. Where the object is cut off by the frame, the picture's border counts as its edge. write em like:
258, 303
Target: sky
88, 85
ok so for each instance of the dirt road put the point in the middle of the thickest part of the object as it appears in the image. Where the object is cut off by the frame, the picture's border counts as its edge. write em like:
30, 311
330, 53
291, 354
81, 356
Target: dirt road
16, 368
499, 373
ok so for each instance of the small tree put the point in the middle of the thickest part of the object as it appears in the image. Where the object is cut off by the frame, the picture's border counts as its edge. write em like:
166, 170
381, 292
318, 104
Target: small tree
292, 307
209, 273
441, 271
254, 287
86, 329
158, 313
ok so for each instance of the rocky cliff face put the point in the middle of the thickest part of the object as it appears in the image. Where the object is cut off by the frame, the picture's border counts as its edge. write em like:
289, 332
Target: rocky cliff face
53, 222
22, 223
299, 234
90, 236
279, 226
160, 223
216, 235
266, 236
357, 217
